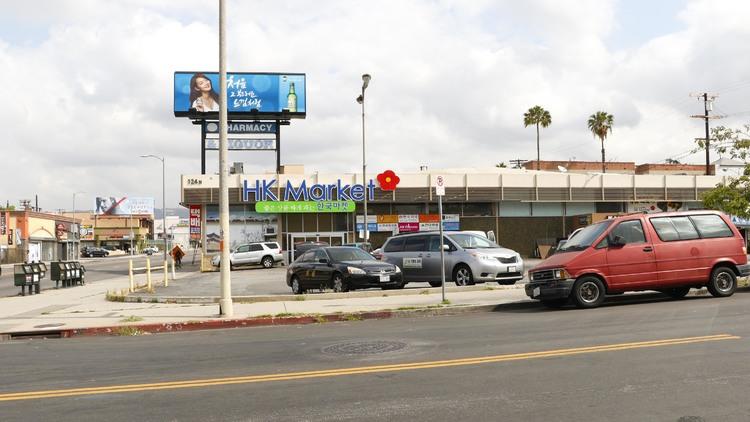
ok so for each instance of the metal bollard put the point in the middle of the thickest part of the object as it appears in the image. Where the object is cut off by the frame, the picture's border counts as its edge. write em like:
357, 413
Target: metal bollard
130, 276
166, 273
148, 273
173, 274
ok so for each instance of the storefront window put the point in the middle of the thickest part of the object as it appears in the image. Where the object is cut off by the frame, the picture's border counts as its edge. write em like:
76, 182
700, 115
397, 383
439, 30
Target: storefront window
477, 209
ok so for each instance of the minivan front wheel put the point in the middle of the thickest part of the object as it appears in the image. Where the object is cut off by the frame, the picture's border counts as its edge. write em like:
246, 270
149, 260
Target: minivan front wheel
463, 276
588, 292
723, 282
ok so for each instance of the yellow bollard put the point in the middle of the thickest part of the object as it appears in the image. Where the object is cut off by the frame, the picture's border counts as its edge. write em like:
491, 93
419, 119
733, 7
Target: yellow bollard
148, 273
166, 273
130, 275
173, 274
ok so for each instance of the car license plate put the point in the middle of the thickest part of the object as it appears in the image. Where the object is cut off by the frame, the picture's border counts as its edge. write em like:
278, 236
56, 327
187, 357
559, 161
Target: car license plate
512, 269
535, 292
384, 277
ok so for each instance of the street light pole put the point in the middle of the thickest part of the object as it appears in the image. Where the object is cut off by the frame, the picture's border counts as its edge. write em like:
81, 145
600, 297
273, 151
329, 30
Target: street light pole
226, 308
163, 200
361, 99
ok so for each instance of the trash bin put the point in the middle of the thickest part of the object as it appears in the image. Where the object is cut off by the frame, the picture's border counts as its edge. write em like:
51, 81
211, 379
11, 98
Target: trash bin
76, 272
24, 276
40, 270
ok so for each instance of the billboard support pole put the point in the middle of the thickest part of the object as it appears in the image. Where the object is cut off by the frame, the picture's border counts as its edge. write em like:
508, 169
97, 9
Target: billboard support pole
203, 146
278, 147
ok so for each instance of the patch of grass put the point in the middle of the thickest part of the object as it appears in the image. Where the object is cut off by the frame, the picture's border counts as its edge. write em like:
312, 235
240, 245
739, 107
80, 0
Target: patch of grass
424, 292
154, 300
299, 298
488, 288
283, 315
743, 282
320, 319
445, 302
353, 317
114, 297
407, 308
132, 318
45, 313
128, 331
264, 316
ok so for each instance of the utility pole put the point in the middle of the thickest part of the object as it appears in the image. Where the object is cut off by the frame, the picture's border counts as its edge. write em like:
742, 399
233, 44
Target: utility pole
708, 106
517, 163
226, 308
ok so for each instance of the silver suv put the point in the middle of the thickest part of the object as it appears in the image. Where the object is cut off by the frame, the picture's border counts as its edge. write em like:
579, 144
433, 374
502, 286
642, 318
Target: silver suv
469, 258
265, 254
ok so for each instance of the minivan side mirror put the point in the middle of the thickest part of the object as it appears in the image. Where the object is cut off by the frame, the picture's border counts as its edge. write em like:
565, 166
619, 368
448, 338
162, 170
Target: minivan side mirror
446, 247
617, 241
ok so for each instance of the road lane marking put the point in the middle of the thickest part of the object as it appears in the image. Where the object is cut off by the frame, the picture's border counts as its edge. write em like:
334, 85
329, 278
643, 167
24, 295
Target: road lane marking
128, 388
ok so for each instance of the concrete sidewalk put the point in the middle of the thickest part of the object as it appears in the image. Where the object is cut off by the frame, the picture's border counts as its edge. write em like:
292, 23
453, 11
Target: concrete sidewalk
86, 309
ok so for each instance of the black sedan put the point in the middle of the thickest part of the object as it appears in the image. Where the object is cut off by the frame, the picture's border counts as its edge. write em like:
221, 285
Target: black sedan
341, 269
94, 252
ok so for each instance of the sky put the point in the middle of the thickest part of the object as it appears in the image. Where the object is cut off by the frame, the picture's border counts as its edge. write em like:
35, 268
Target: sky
88, 85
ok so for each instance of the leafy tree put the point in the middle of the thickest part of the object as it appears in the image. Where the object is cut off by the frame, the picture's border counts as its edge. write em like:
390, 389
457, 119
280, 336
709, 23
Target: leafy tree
539, 117
672, 161
732, 197
501, 165
600, 124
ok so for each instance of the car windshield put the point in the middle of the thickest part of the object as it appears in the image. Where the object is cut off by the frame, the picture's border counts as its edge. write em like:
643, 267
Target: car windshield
349, 254
472, 241
585, 237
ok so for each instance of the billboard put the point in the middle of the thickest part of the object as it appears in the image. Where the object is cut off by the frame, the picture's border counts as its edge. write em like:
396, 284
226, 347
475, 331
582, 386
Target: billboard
248, 94
112, 205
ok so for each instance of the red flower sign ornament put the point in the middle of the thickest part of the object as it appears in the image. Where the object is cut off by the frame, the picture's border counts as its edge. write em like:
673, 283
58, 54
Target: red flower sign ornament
388, 180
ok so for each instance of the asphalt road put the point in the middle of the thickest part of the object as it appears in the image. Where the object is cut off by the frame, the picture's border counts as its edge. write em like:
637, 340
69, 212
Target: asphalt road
606, 364
96, 269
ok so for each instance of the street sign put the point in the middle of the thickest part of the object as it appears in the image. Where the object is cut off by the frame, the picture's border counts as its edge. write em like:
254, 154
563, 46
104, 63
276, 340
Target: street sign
439, 185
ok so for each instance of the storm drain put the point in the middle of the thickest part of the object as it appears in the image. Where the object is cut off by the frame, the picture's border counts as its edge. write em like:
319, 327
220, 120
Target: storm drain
364, 348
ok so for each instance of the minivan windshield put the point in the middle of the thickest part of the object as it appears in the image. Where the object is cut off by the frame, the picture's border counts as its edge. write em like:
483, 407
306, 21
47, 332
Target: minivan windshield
349, 254
472, 241
585, 237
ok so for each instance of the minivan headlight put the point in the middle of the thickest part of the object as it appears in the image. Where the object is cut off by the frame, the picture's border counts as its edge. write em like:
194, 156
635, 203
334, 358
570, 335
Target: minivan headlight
398, 270
355, 270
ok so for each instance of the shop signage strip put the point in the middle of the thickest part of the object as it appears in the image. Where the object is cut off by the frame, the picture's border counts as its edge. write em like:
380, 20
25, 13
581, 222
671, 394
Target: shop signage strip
243, 127
242, 144
282, 207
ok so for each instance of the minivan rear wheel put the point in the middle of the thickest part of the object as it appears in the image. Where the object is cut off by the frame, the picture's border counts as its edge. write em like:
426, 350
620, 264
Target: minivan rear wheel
588, 292
462, 276
723, 282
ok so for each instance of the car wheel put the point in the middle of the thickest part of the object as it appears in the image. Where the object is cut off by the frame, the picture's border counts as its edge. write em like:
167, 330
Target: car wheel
436, 283
338, 284
555, 303
267, 262
462, 276
296, 287
723, 282
677, 292
588, 292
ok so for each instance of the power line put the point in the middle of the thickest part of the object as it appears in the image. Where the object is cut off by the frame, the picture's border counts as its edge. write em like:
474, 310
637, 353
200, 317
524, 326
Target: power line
708, 100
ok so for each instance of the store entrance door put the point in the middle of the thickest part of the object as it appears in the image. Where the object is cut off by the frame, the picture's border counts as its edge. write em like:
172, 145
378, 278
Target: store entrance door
294, 239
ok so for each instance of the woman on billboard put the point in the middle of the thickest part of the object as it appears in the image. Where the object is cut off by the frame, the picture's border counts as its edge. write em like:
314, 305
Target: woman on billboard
203, 98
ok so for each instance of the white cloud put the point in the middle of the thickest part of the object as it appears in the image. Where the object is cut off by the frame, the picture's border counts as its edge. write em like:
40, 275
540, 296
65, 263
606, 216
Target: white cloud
91, 90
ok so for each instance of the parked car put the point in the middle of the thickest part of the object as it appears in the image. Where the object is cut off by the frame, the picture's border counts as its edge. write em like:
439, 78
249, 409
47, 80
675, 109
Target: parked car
341, 268
469, 258
666, 252
89, 252
150, 250
302, 247
264, 253
365, 246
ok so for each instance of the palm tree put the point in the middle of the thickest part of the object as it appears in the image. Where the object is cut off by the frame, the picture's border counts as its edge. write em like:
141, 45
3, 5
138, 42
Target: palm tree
537, 116
600, 124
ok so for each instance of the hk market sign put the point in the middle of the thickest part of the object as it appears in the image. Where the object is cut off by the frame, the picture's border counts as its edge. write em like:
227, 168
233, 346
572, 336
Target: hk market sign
263, 191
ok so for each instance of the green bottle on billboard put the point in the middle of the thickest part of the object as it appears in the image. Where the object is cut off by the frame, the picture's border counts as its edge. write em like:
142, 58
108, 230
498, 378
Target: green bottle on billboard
291, 99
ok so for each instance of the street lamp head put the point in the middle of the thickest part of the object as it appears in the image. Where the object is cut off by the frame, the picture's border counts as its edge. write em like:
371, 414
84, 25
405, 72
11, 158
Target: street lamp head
365, 80
360, 99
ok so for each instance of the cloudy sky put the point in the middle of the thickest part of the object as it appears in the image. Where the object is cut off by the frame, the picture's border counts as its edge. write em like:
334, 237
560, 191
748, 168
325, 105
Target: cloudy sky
88, 84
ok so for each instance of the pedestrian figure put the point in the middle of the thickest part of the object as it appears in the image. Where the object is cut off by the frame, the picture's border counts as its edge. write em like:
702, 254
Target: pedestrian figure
177, 255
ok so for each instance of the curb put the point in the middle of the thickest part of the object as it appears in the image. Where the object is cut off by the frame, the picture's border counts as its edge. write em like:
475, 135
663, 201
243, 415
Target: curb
195, 300
155, 328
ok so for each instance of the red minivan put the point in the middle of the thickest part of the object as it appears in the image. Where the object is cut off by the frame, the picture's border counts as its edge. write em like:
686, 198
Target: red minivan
668, 252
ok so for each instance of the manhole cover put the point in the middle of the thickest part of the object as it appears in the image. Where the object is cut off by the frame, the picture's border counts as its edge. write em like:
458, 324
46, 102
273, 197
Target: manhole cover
49, 325
364, 348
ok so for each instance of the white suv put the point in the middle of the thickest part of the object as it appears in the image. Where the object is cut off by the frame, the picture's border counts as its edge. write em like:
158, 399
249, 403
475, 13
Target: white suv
264, 253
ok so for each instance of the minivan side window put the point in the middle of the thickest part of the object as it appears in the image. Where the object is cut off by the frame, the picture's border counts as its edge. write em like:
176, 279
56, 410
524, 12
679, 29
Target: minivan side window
434, 243
416, 244
631, 231
394, 245
711, 226
670, 229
